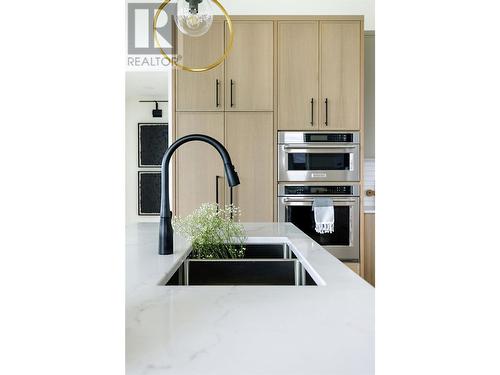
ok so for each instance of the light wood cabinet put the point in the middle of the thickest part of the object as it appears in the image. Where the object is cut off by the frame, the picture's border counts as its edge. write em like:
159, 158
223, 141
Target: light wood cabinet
201, 91
244, 82
370, 248
249, 67
340, 73
353, 266
249, 139
198, 164
283, 69
319, 61
298, 75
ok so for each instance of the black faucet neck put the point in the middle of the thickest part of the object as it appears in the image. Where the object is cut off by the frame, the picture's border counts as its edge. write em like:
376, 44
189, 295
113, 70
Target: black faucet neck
166, 245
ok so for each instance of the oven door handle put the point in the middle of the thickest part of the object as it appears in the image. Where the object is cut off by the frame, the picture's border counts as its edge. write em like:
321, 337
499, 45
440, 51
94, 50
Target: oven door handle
311, 200
304, 147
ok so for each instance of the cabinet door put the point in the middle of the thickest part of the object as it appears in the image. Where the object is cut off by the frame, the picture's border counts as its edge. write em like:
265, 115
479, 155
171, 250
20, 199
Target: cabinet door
298, 75
370, 248
249, 139
198, 91
353, 266
340, 75
197, 163
249, 67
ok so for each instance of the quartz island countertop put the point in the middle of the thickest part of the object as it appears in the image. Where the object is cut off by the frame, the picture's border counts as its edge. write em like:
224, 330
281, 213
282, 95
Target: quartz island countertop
246, 330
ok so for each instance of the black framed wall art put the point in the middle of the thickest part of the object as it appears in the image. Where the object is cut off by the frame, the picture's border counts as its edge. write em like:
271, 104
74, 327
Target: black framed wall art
149, 183
153, 142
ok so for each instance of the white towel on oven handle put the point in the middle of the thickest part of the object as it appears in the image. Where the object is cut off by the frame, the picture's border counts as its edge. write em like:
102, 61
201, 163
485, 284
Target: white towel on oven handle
324, 215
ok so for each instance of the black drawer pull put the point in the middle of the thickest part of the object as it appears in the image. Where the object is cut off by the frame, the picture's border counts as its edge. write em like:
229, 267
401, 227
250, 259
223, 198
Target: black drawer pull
326, 112
232, 84
312, 111
217, 83
217, 190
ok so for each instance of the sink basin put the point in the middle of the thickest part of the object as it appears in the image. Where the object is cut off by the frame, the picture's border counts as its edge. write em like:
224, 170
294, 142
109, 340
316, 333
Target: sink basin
263, 264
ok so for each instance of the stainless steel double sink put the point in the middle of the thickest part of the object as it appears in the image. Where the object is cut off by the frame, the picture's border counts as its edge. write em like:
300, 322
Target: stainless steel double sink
263, 264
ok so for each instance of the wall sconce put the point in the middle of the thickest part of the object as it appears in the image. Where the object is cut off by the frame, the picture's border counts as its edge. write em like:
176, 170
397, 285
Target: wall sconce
156, 112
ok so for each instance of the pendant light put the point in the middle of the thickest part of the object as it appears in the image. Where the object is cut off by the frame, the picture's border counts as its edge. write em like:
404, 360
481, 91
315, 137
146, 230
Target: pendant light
194, 18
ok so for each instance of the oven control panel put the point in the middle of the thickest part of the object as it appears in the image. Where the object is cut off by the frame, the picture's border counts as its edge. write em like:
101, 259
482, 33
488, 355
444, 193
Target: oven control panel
293, 137
328, 137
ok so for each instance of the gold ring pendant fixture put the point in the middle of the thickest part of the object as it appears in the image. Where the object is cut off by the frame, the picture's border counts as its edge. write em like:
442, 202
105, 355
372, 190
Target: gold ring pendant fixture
188, 68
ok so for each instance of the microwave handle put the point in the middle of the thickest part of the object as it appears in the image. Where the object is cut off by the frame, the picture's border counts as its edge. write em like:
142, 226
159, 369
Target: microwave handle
318, 147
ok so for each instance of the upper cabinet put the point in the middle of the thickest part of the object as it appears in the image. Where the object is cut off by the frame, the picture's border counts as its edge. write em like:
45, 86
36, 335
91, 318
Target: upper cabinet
201, 91
298, 75
319, 75
249, 67
244, 82
340, 67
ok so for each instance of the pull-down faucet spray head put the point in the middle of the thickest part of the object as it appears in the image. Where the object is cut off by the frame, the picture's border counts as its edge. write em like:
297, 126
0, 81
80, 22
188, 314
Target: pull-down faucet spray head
232, 176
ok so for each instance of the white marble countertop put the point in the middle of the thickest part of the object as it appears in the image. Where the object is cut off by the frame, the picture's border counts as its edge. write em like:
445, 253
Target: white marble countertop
246, 330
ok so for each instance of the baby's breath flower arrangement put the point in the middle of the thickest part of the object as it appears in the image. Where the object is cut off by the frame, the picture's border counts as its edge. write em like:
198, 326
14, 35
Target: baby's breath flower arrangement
212, 232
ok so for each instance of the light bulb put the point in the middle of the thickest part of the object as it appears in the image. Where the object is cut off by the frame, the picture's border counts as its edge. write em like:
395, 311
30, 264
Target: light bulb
193, 21
194, 17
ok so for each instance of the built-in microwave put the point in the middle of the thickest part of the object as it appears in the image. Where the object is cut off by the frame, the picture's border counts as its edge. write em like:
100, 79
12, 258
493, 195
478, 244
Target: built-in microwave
318, 156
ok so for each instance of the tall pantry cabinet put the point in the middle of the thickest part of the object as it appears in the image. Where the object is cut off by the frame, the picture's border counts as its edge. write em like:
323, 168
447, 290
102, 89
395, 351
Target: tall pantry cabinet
233, 103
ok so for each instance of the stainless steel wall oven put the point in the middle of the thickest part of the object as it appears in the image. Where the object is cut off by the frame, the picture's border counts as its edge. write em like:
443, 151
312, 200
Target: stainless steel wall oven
295, 205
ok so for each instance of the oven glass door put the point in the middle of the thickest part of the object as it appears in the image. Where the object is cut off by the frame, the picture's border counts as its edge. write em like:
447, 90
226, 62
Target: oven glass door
303, 161
303, 218
344, 241
321, 163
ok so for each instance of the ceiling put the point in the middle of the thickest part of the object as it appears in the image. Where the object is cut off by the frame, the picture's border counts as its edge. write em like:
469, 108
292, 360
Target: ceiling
140, 84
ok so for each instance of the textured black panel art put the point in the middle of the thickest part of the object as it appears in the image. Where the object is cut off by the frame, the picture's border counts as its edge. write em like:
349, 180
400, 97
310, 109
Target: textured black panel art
153, 142
149, 193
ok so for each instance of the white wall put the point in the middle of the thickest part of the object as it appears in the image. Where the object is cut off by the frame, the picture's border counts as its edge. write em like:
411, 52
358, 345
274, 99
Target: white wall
304, 7
299, 7
135, 113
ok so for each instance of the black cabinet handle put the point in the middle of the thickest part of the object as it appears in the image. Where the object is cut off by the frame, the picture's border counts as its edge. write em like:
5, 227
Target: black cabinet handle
312, 111
231, 201
217, 83
217, 190
326, 112
231, 93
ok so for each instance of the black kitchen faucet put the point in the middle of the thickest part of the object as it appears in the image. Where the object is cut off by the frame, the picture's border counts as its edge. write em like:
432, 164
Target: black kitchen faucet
166, 244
